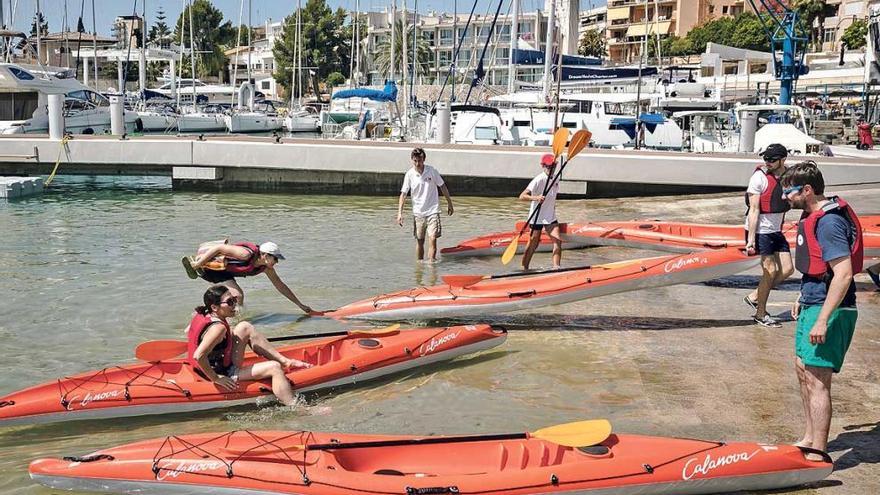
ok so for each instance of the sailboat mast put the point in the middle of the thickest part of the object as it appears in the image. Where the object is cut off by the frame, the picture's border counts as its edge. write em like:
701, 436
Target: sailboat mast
514, 44
548, 49
299, 49
192, 54
393, 40
250, 101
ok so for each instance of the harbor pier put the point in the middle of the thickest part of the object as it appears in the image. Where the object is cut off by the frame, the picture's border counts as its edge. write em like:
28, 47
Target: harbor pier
275, 164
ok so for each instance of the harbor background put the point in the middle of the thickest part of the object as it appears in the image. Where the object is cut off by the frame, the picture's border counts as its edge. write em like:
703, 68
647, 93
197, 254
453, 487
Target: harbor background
93, 270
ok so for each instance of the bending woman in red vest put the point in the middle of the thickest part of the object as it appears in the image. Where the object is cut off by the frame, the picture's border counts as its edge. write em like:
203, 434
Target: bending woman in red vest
244, 259
216, 351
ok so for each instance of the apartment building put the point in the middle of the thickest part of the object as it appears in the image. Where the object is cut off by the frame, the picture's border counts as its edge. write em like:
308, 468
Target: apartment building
839, 15
442, 31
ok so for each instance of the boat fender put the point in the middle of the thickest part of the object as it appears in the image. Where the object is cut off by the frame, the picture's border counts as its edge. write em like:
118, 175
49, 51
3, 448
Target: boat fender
554, 480
89, 458
431, 490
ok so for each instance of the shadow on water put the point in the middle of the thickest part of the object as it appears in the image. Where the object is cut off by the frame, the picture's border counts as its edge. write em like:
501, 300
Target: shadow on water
861, 443
557, 322
749, 282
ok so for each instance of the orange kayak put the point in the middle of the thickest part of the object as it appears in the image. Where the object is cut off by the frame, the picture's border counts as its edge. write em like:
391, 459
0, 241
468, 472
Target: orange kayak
172, 386
495, 244
676, 237
310, 463
490, 294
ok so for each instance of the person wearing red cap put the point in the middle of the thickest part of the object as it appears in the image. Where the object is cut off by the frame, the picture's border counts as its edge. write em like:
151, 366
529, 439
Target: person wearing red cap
538, 194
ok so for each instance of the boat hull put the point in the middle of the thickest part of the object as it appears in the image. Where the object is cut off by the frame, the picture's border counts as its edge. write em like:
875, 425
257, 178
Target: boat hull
533, 291
158, 388
254, 462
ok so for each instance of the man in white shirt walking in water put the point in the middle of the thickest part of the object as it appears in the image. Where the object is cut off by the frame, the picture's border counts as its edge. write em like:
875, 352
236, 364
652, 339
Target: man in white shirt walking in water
423, 181
546, 218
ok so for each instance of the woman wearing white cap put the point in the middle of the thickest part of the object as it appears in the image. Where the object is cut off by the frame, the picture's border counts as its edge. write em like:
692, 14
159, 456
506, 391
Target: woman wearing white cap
243, 259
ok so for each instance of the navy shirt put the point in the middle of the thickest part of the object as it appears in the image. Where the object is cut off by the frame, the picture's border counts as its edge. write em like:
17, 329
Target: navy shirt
835, 235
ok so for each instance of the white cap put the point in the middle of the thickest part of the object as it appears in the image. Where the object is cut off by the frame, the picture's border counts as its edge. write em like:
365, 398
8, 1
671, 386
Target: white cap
271, 248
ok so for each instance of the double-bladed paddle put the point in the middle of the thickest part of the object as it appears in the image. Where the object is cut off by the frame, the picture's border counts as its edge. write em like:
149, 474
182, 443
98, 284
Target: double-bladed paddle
578, 142
577, 434
158, 350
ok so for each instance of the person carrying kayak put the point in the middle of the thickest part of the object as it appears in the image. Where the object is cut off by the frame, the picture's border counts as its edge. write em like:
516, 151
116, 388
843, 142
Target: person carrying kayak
829, 251
423, 181
216, 351
222, 263
764, 217
537, 193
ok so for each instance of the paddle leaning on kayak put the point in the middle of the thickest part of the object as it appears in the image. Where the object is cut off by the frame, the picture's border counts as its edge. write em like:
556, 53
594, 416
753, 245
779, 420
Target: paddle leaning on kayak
216, 350
219, 262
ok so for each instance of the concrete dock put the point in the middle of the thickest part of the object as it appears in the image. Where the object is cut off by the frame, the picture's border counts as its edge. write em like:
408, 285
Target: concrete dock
225, 163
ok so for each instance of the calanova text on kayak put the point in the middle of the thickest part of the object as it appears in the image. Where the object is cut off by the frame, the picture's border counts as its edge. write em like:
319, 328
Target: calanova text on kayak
678, 264
692, 469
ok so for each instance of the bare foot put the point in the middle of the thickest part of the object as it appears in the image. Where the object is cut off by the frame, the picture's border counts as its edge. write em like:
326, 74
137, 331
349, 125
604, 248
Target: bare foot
294, 363
814, 457
804, 443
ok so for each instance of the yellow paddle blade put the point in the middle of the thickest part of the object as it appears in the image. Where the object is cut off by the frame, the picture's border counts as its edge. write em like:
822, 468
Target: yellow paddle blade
510, 251
577, 434
578, 142
158, 350
560, 139
389, 330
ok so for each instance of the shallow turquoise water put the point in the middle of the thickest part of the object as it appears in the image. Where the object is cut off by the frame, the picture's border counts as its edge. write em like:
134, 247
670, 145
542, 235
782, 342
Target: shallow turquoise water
91, 268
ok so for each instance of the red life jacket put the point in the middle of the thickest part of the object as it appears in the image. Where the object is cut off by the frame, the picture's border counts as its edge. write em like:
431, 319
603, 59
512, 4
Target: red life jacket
245, 268
220, 355
808, 255
771, 198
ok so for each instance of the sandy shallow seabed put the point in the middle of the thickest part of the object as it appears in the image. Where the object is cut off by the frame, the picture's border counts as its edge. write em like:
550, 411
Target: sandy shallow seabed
88, 273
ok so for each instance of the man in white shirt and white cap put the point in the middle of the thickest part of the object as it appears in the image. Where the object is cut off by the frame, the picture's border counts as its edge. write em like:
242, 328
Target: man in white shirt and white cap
222, 263
423, 182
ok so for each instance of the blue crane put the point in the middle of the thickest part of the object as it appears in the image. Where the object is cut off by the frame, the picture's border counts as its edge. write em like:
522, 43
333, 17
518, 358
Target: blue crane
780, 22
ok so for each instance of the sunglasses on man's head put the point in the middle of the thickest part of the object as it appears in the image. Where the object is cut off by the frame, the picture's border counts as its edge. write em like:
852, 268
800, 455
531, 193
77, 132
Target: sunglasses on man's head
791, 190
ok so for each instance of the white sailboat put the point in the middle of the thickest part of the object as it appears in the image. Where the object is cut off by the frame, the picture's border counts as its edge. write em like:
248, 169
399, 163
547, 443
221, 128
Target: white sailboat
209, 118
299, 118
245, 117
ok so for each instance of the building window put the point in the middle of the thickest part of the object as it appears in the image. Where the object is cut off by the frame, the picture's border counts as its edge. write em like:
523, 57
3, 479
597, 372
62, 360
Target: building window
445, 57
461, 31
429, 37
445, 37
464, 57
502, 56
265, 85
830, 35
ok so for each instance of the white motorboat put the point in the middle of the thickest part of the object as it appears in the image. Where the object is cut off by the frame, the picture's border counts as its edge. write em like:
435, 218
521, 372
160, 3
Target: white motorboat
85, 111
304, 119
263, 118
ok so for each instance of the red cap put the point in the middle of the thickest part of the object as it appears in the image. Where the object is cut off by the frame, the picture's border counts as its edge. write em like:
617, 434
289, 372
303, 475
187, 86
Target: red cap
548, 160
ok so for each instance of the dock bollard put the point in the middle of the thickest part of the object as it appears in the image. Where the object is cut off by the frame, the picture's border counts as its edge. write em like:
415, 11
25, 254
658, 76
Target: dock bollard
444, 118
748, 128
117, 115
56, 116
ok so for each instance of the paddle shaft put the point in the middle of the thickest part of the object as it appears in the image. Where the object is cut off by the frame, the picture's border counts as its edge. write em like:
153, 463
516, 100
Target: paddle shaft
539, 272
417, 441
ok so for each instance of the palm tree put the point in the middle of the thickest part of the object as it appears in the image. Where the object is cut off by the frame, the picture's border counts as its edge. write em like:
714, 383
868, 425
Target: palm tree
810, 11
382, 54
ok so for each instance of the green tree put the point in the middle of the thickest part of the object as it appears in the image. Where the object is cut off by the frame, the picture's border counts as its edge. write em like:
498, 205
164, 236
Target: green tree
44, 26
159, 32
592, 44
243, 38
856, 35
749, 33
326, 40
812, 12
716, 31
211, 35
335, 79
382, 57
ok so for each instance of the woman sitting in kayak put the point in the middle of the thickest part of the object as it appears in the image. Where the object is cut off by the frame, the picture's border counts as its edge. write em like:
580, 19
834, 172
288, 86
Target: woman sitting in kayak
244, 259
216, 351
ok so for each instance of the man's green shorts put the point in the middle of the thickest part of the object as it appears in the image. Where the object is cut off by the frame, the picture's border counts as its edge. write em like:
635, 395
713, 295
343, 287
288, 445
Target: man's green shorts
841, 326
